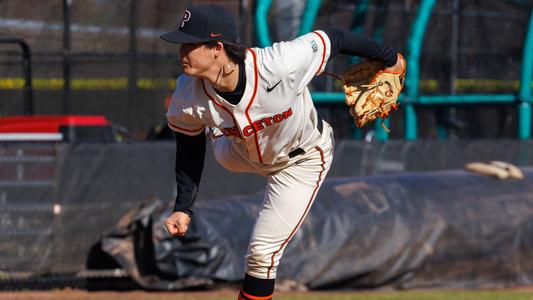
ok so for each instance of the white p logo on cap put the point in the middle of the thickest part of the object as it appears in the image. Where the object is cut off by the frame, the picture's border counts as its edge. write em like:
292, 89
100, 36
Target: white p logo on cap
186, 17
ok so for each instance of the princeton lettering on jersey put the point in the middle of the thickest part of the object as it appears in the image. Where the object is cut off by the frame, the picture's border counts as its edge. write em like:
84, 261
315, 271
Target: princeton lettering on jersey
265, 122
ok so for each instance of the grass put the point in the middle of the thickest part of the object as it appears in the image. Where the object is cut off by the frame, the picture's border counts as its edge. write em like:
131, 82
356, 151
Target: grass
419, 295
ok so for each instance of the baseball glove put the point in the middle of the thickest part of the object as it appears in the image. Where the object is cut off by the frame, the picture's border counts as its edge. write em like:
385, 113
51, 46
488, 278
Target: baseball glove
371, 92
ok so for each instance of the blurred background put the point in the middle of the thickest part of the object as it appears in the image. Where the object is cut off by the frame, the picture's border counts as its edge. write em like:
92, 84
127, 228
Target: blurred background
84, 144
106, 57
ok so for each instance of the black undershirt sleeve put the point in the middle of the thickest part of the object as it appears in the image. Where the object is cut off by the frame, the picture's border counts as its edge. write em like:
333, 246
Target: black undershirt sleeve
190, 153
355, 44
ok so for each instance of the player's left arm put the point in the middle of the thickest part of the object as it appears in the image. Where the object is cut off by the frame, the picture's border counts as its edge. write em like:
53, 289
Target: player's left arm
301, 59
307, 56
355, 44
372, 87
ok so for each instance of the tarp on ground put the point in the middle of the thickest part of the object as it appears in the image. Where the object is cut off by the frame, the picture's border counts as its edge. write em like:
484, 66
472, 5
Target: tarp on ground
411, 230
57, 199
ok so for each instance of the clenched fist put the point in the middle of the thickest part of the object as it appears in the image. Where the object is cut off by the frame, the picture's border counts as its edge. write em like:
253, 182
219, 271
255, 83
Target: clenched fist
177, 223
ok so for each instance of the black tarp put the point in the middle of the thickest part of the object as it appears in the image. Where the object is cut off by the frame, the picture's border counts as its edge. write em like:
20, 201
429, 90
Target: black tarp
58, 199
429, 229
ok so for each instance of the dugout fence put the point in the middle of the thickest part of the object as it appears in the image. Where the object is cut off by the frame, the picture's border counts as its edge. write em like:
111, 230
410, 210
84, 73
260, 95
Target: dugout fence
58, 200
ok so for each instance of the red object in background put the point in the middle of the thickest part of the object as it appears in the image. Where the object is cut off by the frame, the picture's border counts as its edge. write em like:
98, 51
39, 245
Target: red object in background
45, 128
49, 124
168, 99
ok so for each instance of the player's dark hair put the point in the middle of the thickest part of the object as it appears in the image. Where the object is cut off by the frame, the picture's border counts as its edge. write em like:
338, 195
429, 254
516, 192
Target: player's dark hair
236, 52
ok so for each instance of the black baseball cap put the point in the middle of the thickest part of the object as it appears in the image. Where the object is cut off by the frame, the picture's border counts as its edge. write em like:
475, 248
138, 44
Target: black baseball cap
203, 23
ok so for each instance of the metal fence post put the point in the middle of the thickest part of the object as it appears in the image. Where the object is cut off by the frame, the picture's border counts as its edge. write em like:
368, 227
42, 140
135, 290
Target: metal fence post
132, 70
26, 71
414, 47
524, 108
66, 56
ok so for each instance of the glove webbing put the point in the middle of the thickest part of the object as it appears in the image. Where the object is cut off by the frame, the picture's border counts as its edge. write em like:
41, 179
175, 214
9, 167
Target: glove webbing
384, 114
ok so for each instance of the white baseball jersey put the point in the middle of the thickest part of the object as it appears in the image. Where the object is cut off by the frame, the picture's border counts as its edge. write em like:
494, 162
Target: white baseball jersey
275, 116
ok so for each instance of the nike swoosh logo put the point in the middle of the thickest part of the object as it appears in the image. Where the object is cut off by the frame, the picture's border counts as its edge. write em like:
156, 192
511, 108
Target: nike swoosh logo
215, 34
269, 89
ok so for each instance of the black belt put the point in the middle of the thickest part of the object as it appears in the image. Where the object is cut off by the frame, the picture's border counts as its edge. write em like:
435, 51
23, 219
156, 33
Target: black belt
299, 151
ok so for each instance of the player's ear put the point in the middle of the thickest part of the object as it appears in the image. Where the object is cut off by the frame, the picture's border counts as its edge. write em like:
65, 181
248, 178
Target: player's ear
219, 47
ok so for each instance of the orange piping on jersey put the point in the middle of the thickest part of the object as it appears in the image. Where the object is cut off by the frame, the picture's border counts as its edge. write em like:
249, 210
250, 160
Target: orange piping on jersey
305, 212
221, 106
256, 75
183, 129
323, 52
251, 297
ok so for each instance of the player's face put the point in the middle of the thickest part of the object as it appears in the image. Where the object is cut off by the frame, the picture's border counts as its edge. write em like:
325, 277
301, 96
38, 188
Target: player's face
196, 59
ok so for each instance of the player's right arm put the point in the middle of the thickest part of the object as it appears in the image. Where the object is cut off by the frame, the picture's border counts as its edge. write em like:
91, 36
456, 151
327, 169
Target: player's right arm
190, 151
183, 115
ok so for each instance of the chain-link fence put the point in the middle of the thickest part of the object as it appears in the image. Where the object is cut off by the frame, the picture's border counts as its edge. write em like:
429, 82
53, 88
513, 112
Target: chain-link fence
118, 66
111, 56
469, 47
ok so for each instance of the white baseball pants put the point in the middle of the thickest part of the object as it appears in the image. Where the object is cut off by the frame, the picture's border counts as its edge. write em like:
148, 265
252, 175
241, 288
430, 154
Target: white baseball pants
289, 195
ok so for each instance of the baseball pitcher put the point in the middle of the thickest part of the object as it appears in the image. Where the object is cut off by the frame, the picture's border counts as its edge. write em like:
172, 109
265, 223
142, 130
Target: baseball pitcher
254, 106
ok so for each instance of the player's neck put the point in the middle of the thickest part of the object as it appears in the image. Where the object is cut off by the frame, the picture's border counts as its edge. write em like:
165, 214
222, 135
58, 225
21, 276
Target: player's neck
227, 77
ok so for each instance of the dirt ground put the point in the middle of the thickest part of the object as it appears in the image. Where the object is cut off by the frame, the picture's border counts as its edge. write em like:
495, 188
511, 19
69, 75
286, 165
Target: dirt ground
105, 295
69, 294
72, 294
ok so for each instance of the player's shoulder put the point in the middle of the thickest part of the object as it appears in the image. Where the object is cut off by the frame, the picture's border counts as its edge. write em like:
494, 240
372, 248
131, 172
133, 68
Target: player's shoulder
185, 81
187, 88
312, 41
309, 42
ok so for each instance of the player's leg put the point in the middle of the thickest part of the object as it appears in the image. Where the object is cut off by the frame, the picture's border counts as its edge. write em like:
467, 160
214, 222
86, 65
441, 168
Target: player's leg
288, 198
